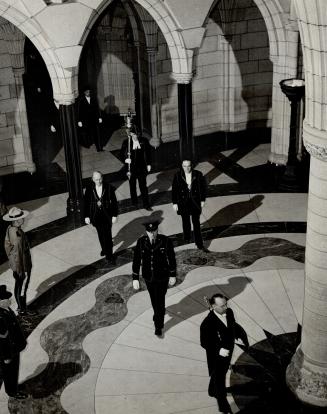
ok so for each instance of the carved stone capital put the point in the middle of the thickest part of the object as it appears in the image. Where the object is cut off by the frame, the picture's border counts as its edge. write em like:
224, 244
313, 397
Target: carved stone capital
315, 141
182, 77
316, 151
308, 382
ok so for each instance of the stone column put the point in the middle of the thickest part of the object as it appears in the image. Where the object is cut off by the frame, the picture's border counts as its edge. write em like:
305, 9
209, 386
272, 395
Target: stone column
185, 116
307, 373
72, 158
139, 98
152, 60
284, 67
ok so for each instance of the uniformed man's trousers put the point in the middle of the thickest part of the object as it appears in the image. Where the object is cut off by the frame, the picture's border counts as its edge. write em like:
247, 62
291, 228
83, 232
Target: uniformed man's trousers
157, 292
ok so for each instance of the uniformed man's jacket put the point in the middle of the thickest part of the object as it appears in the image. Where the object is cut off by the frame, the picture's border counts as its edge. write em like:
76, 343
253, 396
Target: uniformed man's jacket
158, 260
108, 201
12, 339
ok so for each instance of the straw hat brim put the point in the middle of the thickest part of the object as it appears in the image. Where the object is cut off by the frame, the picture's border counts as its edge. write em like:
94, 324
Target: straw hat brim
6, 217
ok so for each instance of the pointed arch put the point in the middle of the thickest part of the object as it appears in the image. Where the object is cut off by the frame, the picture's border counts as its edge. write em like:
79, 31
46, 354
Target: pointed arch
181, 63
59, 78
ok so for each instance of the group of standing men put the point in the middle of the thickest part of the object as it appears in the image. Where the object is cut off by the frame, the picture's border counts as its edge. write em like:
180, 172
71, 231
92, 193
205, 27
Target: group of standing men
154, 253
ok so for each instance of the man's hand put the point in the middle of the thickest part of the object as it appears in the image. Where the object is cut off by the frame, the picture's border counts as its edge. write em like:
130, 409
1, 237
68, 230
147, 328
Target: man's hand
175, 207
52, 128
136, 285
224, 352
7, 361
100, 120
128, 161
113, 220
80, 124
172, 281
202, 204
87, 220
148, 167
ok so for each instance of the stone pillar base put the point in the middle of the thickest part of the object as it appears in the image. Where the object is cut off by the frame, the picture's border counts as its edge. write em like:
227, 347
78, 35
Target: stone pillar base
307, 381
278, 159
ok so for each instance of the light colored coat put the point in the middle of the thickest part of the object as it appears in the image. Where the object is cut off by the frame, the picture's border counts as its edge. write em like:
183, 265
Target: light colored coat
18, 250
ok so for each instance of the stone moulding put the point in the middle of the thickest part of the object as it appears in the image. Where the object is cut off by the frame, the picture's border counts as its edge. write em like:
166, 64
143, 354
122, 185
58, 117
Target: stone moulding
315, 141
316, 150
309, 386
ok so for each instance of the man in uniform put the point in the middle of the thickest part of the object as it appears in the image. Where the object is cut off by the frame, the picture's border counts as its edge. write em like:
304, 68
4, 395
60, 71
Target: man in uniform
136, 154
217, 335
12, 342
155, 253
101, 210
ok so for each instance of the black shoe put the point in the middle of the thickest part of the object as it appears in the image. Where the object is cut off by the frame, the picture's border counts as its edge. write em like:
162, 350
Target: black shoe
102, 253
148, 208
158, 332
19, 395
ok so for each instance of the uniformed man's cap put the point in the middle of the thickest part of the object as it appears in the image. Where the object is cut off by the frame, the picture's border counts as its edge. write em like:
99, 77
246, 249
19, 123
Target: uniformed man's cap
151, 226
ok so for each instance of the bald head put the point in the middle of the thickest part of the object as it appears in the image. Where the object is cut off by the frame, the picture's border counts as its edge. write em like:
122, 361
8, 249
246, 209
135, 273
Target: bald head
97, 178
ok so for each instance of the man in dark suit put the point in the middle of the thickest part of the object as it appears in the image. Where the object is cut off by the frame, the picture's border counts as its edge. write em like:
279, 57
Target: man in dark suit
218, 332
136, 154
188, 196
101, 210
12, 342
155, 252
89, 119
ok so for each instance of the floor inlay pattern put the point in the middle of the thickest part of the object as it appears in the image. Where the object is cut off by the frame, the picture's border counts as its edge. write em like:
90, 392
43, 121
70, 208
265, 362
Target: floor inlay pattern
62, 340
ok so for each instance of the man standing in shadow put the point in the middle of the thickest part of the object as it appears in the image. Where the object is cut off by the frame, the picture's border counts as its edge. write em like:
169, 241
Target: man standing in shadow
218, 332
89, 119
155, 253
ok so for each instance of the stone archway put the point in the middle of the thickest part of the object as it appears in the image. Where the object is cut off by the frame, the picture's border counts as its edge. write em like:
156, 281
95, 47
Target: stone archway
181, 62
33, 31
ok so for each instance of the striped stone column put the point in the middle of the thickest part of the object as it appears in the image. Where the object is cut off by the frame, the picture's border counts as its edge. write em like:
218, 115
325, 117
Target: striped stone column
307, 373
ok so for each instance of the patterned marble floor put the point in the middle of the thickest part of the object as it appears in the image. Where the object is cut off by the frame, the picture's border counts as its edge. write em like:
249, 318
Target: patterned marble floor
91, 349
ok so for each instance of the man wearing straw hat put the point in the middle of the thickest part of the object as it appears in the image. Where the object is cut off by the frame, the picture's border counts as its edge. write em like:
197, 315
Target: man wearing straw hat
12, 342
19, 255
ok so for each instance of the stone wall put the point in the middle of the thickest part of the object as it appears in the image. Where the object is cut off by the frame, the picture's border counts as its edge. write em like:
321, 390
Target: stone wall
12, 156
233, 82
115, 78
